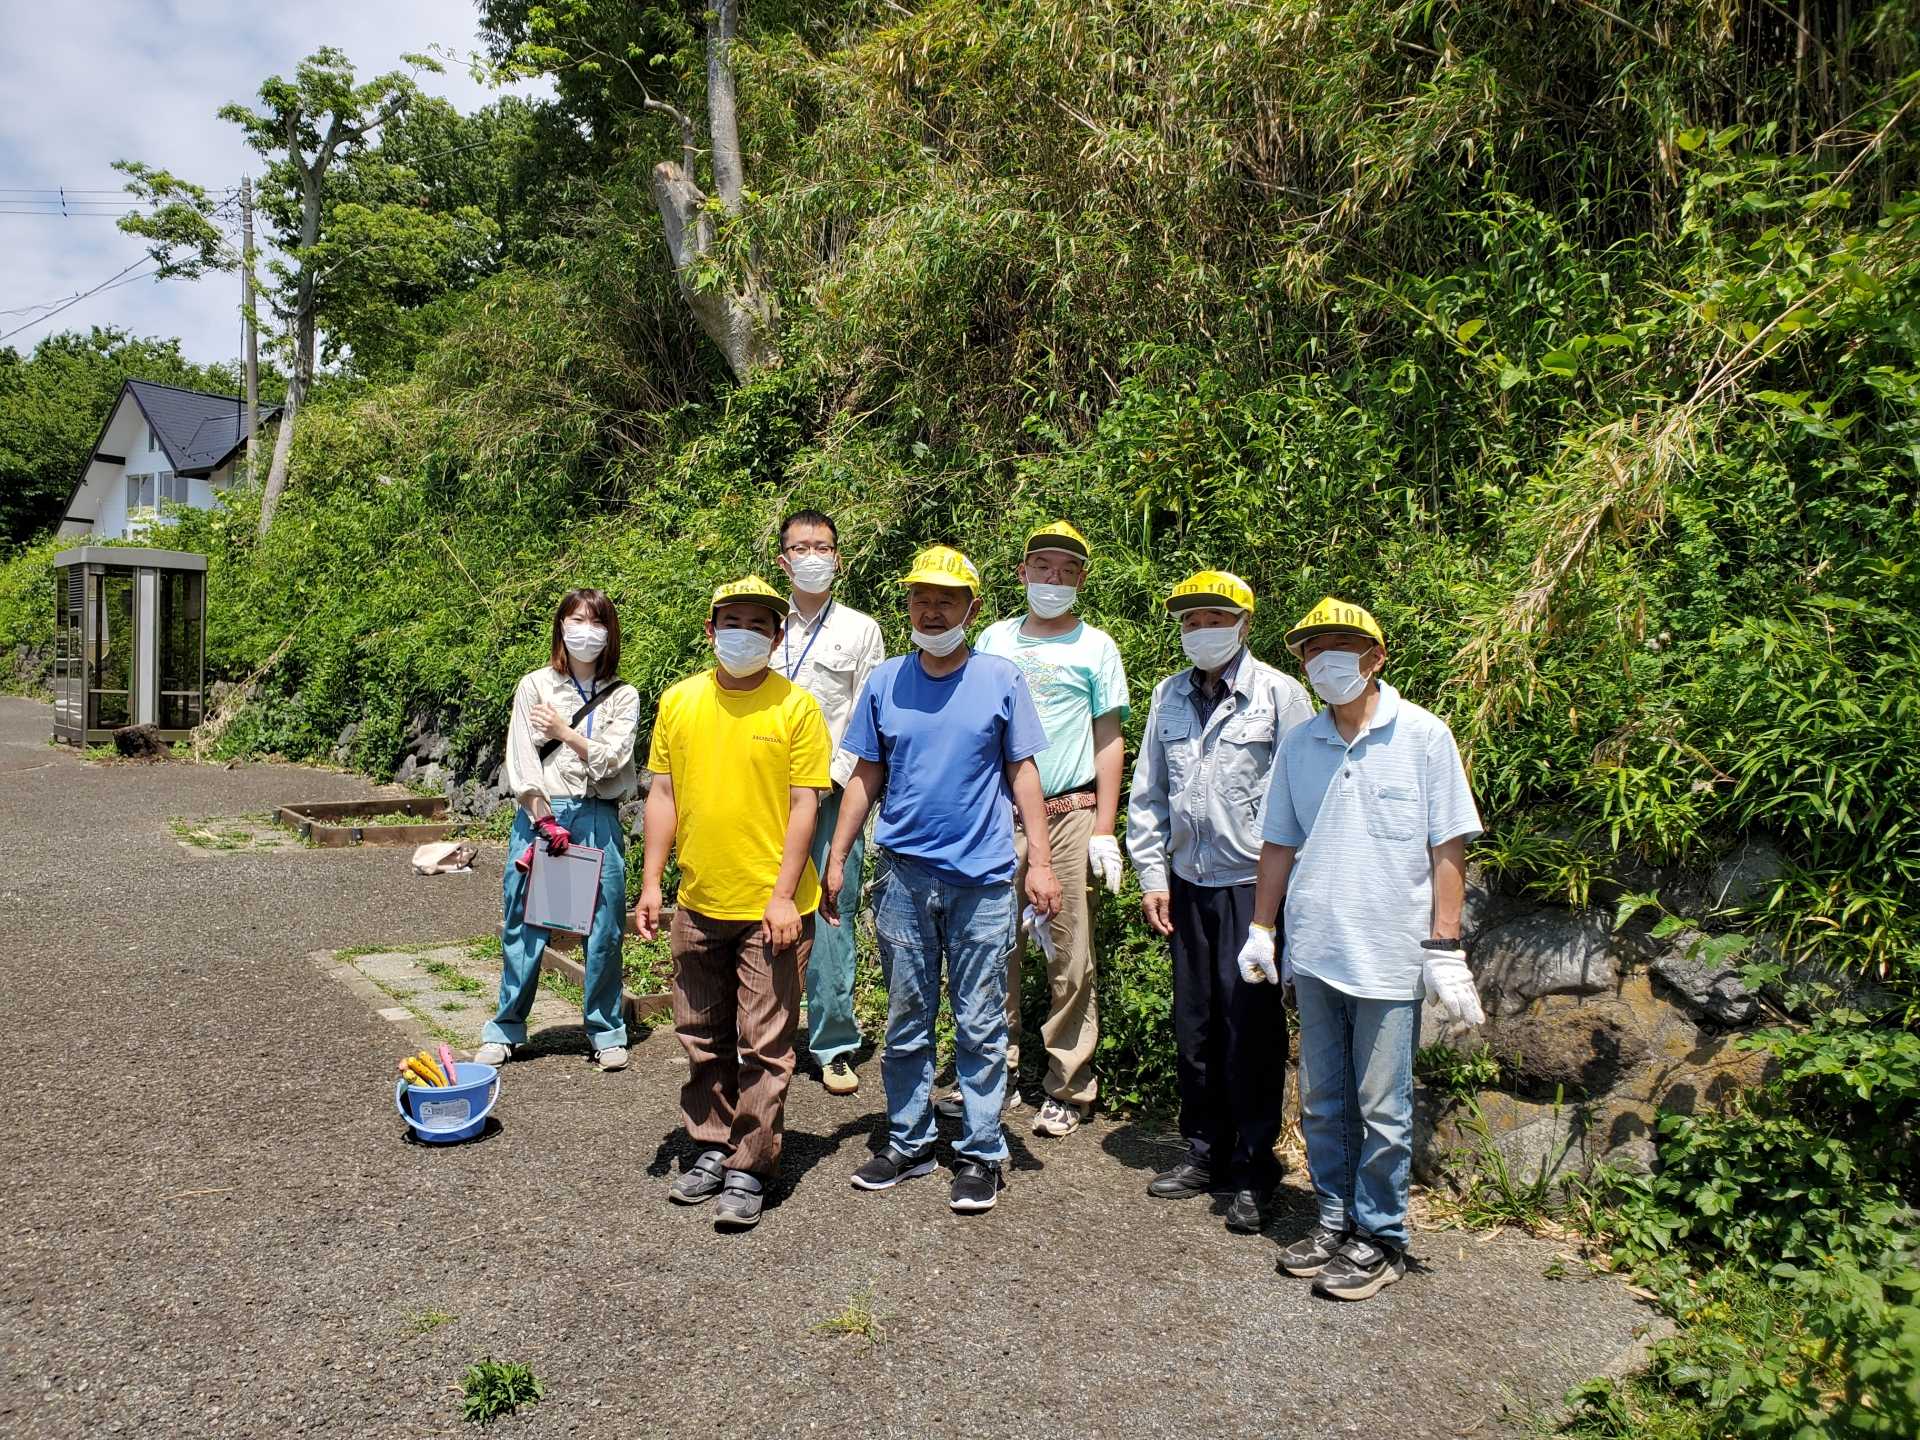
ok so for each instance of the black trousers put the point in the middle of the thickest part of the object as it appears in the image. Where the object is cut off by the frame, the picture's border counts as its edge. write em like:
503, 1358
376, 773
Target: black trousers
1232, 1039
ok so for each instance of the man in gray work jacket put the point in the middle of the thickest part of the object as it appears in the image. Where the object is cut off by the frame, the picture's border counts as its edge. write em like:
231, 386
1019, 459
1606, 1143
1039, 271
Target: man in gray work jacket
1193, 829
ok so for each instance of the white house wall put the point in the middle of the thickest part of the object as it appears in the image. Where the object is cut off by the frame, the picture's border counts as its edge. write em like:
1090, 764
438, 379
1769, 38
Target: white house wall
102, 497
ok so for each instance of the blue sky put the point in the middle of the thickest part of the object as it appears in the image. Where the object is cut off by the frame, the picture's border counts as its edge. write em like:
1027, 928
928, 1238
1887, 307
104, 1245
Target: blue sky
86, 82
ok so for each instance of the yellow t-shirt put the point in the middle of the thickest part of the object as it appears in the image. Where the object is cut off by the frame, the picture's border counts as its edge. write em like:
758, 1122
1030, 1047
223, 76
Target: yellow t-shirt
732, 755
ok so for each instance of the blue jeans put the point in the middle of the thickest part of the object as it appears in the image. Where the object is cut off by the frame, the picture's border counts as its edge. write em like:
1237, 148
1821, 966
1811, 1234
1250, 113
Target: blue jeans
831, 1029
589, 822
1356, 1106
920, 919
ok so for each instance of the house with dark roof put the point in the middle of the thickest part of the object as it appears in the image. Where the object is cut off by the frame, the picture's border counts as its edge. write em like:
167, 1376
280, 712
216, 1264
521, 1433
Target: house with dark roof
159, 445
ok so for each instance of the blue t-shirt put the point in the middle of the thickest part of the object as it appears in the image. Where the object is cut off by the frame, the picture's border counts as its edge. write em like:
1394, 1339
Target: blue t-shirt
946, 744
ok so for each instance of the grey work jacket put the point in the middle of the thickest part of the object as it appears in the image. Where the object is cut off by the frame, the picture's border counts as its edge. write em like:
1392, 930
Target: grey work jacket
1198, 790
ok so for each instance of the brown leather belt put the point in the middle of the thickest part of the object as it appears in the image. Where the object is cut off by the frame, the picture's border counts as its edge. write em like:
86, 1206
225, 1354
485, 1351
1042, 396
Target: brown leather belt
1065, 803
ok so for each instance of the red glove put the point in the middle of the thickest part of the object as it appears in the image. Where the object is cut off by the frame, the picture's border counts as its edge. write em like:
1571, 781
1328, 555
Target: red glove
554, 833
524, 861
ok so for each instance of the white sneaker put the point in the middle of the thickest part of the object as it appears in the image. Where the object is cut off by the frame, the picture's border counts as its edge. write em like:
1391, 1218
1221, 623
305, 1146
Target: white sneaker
614, 1057
1057, 1118
493, 1053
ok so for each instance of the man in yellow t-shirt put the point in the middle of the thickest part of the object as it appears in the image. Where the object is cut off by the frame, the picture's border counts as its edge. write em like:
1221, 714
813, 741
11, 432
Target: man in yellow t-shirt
739, 758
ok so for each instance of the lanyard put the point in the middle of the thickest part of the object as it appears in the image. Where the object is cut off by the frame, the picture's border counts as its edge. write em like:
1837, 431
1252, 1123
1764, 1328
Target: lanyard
585, 697
793, 670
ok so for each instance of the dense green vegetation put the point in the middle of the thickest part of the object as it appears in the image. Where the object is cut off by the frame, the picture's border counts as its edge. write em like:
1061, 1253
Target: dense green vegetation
1581, 343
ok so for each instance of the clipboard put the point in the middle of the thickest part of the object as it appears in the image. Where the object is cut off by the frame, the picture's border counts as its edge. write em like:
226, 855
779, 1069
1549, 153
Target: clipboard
562, 889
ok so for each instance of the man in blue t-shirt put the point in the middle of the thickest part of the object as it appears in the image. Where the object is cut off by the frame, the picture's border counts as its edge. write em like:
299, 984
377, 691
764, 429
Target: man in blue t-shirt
947, 738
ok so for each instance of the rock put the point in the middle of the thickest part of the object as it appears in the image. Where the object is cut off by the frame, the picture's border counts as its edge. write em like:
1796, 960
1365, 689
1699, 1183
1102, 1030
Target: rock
1536, 1143
1546, 952
1745, 877
432, 776
409, 767
343, 746
140, 742
1580, 1046
1713, 993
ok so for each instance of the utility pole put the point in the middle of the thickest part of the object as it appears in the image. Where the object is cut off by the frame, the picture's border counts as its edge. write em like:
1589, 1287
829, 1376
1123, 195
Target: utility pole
246, 311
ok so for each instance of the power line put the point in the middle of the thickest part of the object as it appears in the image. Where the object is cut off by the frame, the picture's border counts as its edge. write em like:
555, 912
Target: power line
105, 284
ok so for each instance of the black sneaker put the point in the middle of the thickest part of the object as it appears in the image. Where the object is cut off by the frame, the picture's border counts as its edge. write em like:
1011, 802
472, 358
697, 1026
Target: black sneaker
1312, 1253
976, 1185
1183, 1182
1361, 1270
1247, 1212
889, 1168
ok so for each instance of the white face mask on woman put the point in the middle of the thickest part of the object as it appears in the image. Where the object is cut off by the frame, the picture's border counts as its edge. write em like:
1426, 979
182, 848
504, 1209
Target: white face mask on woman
1211, 649
945, 642
813, 574
584, 639
741, 652
1336, 676
1050, 602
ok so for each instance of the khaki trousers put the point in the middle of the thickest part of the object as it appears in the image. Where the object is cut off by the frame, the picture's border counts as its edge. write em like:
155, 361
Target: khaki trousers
1072, 1026
735, 1004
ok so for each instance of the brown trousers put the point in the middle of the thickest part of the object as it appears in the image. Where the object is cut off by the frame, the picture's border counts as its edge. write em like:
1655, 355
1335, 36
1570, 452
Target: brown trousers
1072, 1027
735, 1003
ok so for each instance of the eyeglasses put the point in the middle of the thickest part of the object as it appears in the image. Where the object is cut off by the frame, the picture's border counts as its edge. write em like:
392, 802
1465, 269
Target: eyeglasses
819, 547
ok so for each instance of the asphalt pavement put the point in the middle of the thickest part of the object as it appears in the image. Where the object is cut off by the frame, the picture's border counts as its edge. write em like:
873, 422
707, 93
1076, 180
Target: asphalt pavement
214, 1226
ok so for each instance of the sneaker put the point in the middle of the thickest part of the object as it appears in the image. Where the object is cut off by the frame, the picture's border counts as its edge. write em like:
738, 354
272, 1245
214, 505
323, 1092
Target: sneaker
739, 1205
1247, 1212
1183, 1182
1057, 1118
493, 1053
976, 1185
1361, 1270
889, 1168
614, 1057
701, 1180
950, 1105
1312, 1254
839, 1078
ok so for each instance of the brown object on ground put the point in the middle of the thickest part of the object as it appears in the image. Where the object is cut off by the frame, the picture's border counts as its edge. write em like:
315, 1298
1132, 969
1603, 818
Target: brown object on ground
140, 742
335, 822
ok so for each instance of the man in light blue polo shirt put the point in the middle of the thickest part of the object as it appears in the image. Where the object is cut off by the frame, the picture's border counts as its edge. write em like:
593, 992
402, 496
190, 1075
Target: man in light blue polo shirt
1367, 820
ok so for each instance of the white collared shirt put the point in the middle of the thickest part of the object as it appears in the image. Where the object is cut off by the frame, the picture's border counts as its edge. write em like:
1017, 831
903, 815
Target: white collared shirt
606, 774
830, 658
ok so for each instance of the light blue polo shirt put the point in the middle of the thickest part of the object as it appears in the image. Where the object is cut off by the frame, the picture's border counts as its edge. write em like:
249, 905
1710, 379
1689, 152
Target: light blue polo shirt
1361, 819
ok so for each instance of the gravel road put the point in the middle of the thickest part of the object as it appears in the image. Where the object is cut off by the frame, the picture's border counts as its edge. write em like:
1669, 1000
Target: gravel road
212, 1225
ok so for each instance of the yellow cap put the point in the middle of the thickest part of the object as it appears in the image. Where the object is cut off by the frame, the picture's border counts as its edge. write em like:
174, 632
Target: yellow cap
1211, 590
1334, 617
942, 565
1060, 535
750, 588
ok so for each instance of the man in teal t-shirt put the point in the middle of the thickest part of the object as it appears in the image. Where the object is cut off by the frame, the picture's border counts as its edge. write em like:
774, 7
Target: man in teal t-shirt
1080, 689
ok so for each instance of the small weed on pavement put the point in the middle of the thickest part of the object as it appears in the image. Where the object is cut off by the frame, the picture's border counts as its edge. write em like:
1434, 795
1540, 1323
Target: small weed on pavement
494, 1388
423, 1321
857, 1317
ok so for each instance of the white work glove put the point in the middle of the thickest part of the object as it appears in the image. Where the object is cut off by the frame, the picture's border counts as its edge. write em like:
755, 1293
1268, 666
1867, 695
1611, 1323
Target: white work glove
1450, 983
1256, 957
1039, 929
1103, 858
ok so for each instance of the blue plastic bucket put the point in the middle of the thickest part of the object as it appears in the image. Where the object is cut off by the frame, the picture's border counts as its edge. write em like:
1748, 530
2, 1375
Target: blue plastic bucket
444, 1114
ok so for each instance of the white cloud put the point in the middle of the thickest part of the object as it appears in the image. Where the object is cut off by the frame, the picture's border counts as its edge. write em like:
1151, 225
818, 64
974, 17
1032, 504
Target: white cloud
88, 82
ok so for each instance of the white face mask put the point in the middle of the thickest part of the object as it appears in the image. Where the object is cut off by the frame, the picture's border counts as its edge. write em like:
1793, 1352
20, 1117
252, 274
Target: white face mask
1050, 602
741, 652
1335, 676
1211, 649
943, 643
584, 639
813, 574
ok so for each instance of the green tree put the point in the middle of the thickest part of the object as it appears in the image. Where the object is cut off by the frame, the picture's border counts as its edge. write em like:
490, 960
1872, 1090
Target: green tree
305, 128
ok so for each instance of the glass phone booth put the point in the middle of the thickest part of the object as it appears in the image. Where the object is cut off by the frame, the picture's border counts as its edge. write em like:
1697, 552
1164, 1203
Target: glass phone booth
129, 638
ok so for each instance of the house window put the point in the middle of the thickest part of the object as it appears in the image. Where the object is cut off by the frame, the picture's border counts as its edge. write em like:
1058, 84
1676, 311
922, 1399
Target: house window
173, 488
163, 487
153, 441
140, 492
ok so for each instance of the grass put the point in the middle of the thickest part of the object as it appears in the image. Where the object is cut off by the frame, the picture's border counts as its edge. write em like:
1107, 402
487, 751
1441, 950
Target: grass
493, 1388
554, 983
397, 817
646, 966
421, 1322
1492, 1192
226, 834
452, 978
857, 1317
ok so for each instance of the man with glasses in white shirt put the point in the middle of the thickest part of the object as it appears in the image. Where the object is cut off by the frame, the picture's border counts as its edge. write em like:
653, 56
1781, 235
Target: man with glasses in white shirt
828, 649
